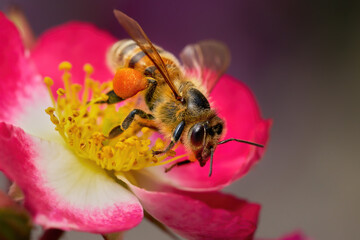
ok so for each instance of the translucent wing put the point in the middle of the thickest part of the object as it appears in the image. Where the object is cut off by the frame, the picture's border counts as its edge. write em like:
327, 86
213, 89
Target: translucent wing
207, 60
139, 36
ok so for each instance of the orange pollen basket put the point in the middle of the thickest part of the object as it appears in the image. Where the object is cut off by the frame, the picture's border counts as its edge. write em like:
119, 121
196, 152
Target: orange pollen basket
127, 82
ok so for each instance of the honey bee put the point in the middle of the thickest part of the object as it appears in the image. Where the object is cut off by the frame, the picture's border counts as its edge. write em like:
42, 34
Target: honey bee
176, 96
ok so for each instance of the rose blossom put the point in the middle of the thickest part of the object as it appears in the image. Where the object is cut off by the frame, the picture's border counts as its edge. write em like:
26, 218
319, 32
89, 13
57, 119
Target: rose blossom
69, 188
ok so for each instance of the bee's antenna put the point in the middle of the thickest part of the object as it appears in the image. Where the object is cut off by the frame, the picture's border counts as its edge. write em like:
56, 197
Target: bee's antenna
242, 141
211, 161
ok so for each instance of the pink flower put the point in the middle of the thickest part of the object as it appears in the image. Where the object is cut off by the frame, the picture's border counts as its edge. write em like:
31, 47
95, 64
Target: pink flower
63, 190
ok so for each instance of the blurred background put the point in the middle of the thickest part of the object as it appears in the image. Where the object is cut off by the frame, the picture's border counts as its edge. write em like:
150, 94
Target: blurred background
302, 61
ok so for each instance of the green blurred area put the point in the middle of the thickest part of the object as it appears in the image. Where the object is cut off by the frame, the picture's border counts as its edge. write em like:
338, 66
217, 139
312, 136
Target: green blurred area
14, 224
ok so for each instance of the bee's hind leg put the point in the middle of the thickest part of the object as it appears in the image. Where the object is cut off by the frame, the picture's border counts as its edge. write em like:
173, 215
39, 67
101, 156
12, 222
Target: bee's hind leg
174, 139
112, 98
134, 86
116, 131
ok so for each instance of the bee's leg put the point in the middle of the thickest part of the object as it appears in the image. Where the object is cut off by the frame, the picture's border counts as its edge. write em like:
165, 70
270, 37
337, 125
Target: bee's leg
150, 93
113, 98
174, 139
116, 131
187, 161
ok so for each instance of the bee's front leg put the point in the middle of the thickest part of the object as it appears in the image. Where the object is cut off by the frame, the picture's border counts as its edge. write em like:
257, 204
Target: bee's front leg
174, 139
116, 131
177, 164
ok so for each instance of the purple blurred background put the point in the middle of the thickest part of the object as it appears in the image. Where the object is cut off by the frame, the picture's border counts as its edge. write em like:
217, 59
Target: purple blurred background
302, 61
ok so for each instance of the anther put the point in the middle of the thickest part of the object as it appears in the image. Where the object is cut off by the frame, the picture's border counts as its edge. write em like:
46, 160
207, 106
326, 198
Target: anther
76, 87
60, 92
48, 81
88, 68
75, 113
65, 66
82, 146
108, 151
171, 153
54, 119
50, 110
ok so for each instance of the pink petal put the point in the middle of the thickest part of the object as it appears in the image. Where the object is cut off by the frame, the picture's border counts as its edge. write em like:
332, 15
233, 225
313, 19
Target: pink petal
231, 160
62, 191
297, 235
207, 215
78, 43
23, 96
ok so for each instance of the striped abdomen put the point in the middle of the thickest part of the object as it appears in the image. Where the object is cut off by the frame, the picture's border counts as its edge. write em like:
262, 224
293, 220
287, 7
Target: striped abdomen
126, 53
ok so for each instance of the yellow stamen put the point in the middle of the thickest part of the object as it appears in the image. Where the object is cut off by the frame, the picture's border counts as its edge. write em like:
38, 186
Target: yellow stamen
85, 125
88, 70
49, 82
66, 67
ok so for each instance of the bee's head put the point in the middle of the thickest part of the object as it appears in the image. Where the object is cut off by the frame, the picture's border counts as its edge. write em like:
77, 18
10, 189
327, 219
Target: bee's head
204, 137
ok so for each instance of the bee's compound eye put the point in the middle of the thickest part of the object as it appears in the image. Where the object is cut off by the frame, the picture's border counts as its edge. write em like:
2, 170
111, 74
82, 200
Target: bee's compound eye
197, 134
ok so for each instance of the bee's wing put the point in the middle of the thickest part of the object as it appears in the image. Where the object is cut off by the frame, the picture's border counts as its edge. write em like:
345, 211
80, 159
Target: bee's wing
207, 60
139, 36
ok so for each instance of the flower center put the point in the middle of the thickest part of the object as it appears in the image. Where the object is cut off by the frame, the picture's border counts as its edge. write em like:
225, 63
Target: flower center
84, 125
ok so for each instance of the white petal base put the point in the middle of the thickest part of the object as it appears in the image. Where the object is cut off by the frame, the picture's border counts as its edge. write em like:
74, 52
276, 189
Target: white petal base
62, 191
